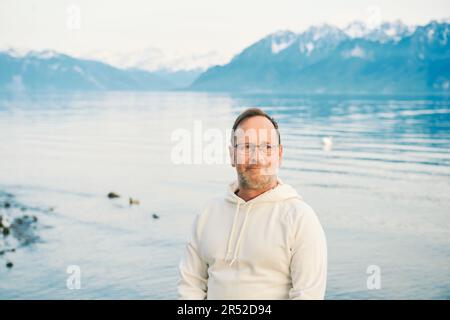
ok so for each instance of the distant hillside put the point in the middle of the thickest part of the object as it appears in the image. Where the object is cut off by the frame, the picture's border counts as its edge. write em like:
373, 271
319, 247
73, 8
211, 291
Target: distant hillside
49, 70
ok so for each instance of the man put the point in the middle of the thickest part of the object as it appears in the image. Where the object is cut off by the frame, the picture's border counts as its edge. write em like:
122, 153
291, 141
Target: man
261, 241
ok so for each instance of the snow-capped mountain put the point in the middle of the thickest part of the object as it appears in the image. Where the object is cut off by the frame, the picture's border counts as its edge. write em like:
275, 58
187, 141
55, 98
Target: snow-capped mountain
174, 70
154, 59
325, 37
392, 57
49, 70
356, 29
390, 32
179, 69
281, 40
386, 31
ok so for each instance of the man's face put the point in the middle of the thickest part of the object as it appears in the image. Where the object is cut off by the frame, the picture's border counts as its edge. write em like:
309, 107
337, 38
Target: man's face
256, 153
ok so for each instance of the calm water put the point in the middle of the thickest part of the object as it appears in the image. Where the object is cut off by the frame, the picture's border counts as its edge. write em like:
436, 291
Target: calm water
382, 192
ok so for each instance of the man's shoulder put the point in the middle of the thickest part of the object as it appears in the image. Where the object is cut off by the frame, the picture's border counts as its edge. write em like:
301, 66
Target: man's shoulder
298, 208
217, 200
212, 203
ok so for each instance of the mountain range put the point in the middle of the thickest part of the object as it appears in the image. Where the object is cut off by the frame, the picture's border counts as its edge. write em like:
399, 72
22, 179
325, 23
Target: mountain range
391, 58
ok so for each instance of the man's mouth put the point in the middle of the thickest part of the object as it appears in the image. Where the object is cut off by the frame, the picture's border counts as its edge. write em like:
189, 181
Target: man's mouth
254, 168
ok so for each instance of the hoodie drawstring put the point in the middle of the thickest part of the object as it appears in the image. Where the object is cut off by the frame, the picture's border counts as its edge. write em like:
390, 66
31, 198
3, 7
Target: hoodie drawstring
232, 230
236, 249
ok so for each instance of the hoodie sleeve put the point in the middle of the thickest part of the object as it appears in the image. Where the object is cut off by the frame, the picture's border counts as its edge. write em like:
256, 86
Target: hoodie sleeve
193, 270
309, 257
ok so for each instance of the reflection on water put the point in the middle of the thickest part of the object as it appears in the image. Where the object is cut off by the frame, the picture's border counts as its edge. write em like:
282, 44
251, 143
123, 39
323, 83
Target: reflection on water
381, 189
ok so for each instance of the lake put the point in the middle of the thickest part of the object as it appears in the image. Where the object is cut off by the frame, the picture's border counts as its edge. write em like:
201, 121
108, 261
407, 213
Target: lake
382, 191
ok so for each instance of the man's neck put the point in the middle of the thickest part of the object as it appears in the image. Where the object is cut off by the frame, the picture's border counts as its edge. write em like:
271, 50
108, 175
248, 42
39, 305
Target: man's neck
249, 194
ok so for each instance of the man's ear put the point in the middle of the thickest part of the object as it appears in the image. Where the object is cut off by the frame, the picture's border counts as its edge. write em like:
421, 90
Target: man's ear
280, 155
232, 156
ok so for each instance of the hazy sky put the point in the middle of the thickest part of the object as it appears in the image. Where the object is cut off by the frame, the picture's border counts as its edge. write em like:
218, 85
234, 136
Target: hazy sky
186, 26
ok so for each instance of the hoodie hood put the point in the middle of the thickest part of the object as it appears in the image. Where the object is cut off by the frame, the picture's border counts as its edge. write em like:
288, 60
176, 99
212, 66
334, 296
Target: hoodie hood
280, 193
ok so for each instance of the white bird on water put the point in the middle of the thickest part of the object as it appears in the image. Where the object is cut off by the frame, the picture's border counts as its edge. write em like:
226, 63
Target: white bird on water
327, 143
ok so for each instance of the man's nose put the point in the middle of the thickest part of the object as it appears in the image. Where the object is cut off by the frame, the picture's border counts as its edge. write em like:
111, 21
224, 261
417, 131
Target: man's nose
257, 157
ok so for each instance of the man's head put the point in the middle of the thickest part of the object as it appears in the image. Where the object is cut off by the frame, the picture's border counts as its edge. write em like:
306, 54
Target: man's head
256, 150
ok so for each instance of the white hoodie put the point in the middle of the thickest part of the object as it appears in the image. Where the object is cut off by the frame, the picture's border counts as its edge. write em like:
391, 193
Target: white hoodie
270, 247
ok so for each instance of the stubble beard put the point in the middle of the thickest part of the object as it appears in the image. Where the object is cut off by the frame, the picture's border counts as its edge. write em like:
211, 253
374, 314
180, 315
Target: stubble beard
262, 181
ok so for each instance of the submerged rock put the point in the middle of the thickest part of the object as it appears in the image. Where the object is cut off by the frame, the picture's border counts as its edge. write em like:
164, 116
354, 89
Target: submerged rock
16, 228
23, 230
5, 225
113, 195
134, 201
4, 222
2, 252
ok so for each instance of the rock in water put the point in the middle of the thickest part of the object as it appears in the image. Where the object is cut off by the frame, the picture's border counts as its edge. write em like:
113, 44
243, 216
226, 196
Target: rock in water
5, 225
4, 222
113, 195
134, 201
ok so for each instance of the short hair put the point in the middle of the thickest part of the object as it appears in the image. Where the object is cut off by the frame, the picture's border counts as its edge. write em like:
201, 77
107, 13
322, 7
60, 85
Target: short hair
253, 112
